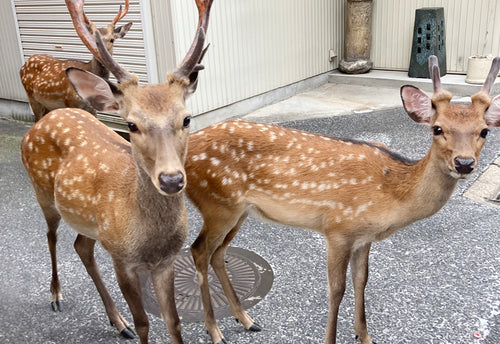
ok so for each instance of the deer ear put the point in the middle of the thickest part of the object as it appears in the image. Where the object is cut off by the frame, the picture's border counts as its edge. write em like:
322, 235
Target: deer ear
492, 115
121, 31
97, 91
417, 104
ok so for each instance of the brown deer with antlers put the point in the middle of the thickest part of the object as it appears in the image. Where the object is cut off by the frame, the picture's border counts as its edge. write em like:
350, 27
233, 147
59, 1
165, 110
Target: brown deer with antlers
126, 196
353, 192
44, 77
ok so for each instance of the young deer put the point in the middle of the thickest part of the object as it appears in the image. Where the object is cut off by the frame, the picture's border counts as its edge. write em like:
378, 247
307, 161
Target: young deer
353, 192
127, 196
44, 77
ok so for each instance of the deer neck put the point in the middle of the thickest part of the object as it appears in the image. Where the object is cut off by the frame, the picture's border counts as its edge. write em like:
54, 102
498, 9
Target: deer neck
423, 187
160, 228
152, 204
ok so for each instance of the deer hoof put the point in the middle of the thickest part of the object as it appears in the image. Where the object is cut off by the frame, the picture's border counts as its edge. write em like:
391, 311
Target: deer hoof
222, 341
128, 333
57, 306
255, 328
357, 338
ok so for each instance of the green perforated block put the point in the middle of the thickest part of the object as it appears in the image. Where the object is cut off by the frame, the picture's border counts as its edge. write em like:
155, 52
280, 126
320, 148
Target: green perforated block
428, 39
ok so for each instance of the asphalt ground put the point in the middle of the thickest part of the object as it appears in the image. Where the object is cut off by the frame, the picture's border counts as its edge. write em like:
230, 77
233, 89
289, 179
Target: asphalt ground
436, 281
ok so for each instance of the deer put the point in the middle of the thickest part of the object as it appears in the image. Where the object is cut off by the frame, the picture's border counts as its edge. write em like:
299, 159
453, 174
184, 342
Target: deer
127, 196
44, 76
354, 193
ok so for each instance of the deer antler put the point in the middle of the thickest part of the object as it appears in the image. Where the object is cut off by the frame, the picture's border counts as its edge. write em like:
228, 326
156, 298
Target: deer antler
96, 46
440, 96
75, 8
120, 14
120, 73
191, 62
434, 73
490, 79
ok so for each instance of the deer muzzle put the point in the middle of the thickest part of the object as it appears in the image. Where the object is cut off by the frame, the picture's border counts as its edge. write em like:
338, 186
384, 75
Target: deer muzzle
171, 183
463, 165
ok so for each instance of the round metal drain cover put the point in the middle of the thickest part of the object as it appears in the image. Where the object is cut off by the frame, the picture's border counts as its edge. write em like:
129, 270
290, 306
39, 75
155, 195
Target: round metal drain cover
250, 275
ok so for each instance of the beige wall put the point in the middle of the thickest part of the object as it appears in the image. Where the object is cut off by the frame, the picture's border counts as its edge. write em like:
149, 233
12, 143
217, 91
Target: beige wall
466, 22
256, 46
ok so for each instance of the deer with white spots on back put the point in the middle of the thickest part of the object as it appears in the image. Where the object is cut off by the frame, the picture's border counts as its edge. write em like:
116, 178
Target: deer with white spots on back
353, 192
44, 77
127, 196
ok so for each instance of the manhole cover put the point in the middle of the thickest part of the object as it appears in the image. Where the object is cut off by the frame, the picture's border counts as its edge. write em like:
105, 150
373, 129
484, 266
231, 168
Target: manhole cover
250, 274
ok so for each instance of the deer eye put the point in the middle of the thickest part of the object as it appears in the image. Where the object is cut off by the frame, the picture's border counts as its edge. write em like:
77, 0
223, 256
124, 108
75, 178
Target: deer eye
132, 127
484, 133
112, 40
187, 121
437, 130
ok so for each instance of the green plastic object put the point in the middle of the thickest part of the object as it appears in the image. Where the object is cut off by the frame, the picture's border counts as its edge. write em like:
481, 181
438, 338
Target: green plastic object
428, 39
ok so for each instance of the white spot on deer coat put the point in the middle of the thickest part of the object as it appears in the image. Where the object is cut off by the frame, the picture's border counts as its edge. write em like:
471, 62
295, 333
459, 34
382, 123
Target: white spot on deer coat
105, 225
105, 168
215, 161
363, 207
226, 181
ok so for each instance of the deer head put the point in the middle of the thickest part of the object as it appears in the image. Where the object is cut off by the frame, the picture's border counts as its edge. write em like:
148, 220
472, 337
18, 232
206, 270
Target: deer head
155, 114
459, 130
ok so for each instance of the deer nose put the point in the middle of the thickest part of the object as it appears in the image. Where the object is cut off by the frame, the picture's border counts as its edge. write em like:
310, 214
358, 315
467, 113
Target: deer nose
171, 183
464, 165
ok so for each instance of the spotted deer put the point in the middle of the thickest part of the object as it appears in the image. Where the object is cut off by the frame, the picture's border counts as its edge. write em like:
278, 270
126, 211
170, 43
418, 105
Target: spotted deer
354, 193
129, 197
44, 76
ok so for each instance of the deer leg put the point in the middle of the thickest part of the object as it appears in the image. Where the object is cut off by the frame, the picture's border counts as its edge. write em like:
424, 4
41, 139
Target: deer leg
211, 236
219, 266
131, 289
359, 272
38, 109
163, 283
53, 218
201, 251
338, 254
85, 248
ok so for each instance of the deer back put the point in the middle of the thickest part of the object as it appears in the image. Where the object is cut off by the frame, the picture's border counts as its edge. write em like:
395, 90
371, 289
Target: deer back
270, 169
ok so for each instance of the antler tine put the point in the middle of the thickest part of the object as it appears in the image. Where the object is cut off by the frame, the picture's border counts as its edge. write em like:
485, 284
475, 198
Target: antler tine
120, 73
492, 75
87, 20
434, 73
75, 8
196, 51
121, 14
